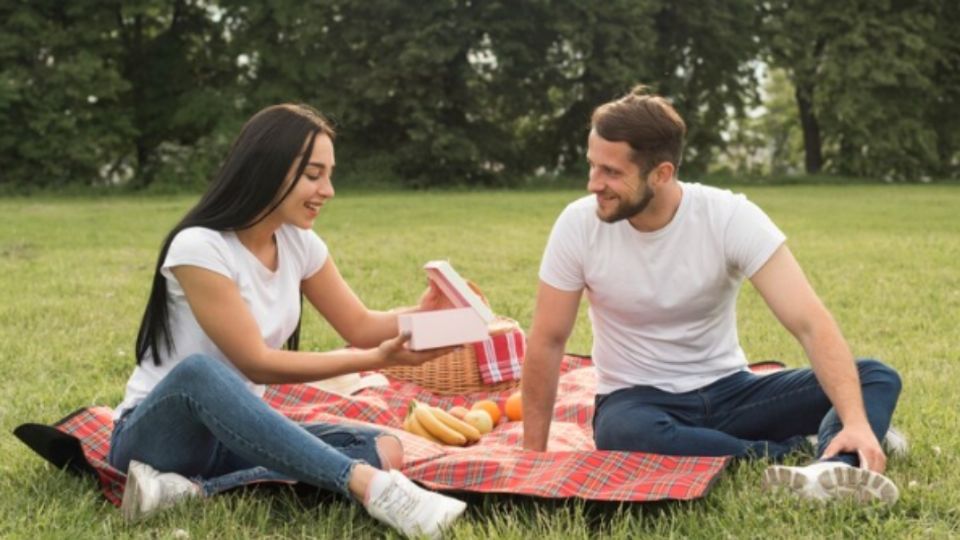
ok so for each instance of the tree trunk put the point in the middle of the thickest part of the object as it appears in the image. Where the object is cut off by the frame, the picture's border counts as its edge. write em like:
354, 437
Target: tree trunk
812, 147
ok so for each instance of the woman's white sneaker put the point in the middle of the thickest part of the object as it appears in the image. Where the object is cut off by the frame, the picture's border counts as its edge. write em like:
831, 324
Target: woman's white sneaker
412, 510
830, 480
148, 491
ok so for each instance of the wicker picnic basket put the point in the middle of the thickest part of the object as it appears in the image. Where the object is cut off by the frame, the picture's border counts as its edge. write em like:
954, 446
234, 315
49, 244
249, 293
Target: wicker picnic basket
457, 372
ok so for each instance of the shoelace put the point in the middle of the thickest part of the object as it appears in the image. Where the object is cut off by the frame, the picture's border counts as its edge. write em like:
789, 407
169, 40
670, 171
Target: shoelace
397, 501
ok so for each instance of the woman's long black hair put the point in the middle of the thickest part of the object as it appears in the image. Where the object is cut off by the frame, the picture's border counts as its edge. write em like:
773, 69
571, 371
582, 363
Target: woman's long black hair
245, 190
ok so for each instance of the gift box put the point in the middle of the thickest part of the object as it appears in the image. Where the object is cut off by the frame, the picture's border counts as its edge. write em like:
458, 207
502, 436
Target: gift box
466, 323
489, 350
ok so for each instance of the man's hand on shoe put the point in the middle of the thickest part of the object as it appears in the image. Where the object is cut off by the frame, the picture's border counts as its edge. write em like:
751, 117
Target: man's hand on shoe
859, 440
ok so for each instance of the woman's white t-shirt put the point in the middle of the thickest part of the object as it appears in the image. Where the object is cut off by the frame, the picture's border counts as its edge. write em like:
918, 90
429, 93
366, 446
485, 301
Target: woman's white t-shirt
663, 303
273, 297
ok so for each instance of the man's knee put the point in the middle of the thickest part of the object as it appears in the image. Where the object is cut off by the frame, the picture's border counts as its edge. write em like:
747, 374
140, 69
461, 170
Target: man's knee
647, 430
875, 372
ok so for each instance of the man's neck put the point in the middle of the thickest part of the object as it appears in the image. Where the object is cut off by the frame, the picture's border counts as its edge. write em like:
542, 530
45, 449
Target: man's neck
662, 208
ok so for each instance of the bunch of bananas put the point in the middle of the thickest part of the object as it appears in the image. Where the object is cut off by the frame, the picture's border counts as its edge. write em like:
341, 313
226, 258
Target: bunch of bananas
439, 426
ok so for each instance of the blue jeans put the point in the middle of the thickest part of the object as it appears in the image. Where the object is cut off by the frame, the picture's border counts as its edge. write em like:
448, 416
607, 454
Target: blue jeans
741, 415
201, 421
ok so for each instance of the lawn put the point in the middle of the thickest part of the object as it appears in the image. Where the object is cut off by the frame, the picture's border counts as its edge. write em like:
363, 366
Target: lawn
74, 275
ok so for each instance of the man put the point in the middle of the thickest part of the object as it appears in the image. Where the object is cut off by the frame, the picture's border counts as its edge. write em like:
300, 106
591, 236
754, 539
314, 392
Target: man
662, 262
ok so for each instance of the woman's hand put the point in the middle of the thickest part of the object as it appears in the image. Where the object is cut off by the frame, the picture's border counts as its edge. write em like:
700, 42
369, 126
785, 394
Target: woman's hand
395, 353
433, 299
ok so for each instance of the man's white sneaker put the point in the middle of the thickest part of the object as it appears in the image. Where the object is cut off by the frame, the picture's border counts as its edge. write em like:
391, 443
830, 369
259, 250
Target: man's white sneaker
148, 491
831, 479
412, 510
895, 443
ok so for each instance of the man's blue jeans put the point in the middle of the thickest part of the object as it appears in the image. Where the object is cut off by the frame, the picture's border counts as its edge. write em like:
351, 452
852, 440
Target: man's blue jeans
741, 415
201, 421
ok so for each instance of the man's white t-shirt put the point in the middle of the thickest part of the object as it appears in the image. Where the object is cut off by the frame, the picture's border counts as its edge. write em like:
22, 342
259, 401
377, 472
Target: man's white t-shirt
663, 303
273, 297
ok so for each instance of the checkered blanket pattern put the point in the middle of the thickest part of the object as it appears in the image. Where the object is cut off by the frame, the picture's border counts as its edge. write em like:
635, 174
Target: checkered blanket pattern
499, 357
497, 464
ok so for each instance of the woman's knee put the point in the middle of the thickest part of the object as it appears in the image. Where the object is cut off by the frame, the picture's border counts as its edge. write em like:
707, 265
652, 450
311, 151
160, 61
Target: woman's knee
200, 369
390, 450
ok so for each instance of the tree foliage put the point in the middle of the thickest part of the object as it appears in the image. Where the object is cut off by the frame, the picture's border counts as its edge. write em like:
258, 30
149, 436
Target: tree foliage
447, 92
872, 83
60, 89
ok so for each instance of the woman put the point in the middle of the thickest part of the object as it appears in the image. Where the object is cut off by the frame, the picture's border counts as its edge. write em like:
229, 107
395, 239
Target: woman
225, 298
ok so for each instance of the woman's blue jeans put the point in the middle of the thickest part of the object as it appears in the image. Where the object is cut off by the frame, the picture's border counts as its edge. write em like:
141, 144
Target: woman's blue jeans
201, 421
741, 415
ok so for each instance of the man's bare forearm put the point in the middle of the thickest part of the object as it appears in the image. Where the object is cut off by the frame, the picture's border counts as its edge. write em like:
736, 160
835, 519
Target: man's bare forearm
541, 371
836, 370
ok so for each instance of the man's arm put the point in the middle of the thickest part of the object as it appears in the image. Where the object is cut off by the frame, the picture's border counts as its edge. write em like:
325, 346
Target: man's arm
553, 319
793, 301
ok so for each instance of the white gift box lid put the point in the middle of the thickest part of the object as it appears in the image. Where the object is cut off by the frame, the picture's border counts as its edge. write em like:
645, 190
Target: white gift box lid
455, 288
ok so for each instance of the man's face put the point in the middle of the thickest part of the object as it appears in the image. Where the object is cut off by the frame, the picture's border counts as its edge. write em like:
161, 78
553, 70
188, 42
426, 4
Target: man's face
615, 180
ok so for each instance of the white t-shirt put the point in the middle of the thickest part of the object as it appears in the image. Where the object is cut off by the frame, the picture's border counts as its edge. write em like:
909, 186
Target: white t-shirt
273, 297
663, 303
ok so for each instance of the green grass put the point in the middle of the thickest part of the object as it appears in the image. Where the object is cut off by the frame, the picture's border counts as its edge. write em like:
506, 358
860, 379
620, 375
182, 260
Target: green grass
885, 259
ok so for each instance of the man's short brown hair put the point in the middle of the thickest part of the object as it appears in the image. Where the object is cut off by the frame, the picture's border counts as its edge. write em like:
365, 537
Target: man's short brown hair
648, 123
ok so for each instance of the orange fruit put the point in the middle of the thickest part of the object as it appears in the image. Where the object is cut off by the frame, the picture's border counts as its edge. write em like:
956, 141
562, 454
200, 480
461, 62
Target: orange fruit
491, 407
514, 407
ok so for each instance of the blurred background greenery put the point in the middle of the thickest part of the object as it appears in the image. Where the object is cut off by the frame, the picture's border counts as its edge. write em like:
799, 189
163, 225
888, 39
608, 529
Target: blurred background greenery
147, 94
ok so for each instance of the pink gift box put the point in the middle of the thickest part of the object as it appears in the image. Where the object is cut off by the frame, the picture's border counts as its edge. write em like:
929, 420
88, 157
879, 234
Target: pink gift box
466, 323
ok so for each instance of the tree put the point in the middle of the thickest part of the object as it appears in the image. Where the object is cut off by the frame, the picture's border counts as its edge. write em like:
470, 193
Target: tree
705, 56
768, 141
944, 112
460, 92
60, 114
174, 56
797, 33
871, 79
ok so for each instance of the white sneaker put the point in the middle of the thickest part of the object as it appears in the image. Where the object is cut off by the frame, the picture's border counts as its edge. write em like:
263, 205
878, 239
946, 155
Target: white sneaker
830, 480
412, 510
148, 491
895, 443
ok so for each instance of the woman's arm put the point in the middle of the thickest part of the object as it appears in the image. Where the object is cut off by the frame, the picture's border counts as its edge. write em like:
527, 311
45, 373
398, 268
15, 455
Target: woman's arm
361, 327
223, 315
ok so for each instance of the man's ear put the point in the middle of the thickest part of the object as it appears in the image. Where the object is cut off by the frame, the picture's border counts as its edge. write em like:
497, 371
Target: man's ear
662, 173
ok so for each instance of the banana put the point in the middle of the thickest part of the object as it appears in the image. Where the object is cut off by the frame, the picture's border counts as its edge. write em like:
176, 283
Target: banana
437, 428
471, 433
411, 425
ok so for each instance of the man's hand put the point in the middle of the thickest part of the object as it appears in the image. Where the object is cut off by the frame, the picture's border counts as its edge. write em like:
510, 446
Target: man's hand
859, 440
433, 299
786, 290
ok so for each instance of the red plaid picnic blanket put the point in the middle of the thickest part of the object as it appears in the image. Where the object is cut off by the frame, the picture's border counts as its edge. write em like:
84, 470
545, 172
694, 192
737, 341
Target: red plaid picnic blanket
499, 357
497, 464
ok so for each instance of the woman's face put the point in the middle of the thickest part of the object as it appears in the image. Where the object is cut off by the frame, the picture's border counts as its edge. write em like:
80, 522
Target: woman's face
313, 188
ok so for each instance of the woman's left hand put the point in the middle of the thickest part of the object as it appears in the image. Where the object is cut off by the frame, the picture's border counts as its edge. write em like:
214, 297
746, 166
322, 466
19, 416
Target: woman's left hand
395, 353
433, 299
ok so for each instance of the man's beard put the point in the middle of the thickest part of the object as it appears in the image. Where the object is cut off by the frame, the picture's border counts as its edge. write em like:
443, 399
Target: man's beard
627, 210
